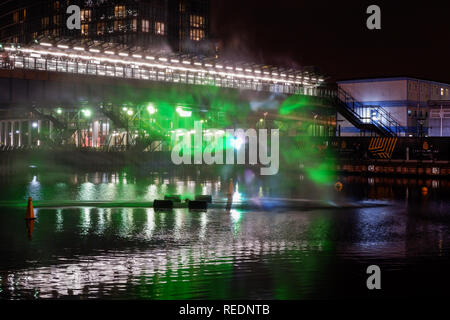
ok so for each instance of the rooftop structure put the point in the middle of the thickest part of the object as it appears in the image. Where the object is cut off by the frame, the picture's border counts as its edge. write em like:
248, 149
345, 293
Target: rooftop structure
99, 59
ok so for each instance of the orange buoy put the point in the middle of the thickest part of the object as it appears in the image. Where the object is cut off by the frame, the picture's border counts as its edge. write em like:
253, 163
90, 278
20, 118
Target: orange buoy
230, 187
230, 195
30, 211
338, 186
30, 227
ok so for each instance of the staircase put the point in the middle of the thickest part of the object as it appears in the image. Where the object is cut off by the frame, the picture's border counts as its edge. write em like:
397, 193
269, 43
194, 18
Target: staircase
62, 131
113, 116
367, 118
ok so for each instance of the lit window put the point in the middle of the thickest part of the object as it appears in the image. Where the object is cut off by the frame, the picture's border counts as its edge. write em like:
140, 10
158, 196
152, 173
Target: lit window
197, 34
118, 25
145, 25
45, 22
134, 25
85, 15
197, 21
85, 29
100, 28
446, 92
119, 11
16, 17
159, 28
56, 20
56, 5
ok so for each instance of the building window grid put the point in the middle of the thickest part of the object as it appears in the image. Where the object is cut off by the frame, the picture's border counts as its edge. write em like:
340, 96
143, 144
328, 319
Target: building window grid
160, 28
145, 25
45, 22
86, 15
153, 13
197, 25
120, 11
85, 29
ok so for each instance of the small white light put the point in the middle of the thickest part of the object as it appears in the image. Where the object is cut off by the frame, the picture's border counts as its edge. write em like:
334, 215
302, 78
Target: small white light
137, 56
162, 59
109, 52
197, 63
186, 62
94, 50
150, 58
175, 61
123, 54
45, 44
62, 46
78, 48
218, 66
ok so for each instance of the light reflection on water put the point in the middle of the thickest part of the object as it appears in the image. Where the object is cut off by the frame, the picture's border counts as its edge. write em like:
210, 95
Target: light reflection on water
139, 253
143, 254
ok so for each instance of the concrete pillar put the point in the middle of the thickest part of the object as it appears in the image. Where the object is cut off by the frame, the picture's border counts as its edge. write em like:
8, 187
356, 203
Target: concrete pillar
20, 133
39, 131
95, 129
50, 129
30, 125
5, 133
11, 134
3, 140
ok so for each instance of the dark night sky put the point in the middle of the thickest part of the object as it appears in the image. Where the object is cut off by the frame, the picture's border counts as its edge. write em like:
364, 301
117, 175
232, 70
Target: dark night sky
332, 35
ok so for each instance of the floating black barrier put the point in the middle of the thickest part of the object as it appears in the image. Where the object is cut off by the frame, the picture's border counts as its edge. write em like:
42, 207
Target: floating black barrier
162, 204
198, 205
206, 198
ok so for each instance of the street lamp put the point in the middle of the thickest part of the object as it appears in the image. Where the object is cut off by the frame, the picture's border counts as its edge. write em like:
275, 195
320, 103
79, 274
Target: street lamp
87, 113
184, 113
151, 109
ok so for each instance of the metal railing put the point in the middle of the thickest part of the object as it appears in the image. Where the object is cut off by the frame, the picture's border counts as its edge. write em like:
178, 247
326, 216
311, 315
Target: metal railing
141, 69
371, 114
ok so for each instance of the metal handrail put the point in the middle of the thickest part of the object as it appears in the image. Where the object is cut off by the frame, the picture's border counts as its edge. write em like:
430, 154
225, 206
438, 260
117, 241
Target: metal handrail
384, 120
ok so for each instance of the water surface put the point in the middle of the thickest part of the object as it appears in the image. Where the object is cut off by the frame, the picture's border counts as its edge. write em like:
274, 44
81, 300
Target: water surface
137, 253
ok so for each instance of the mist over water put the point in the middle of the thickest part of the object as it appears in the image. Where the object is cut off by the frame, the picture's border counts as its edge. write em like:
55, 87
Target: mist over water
137, 253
